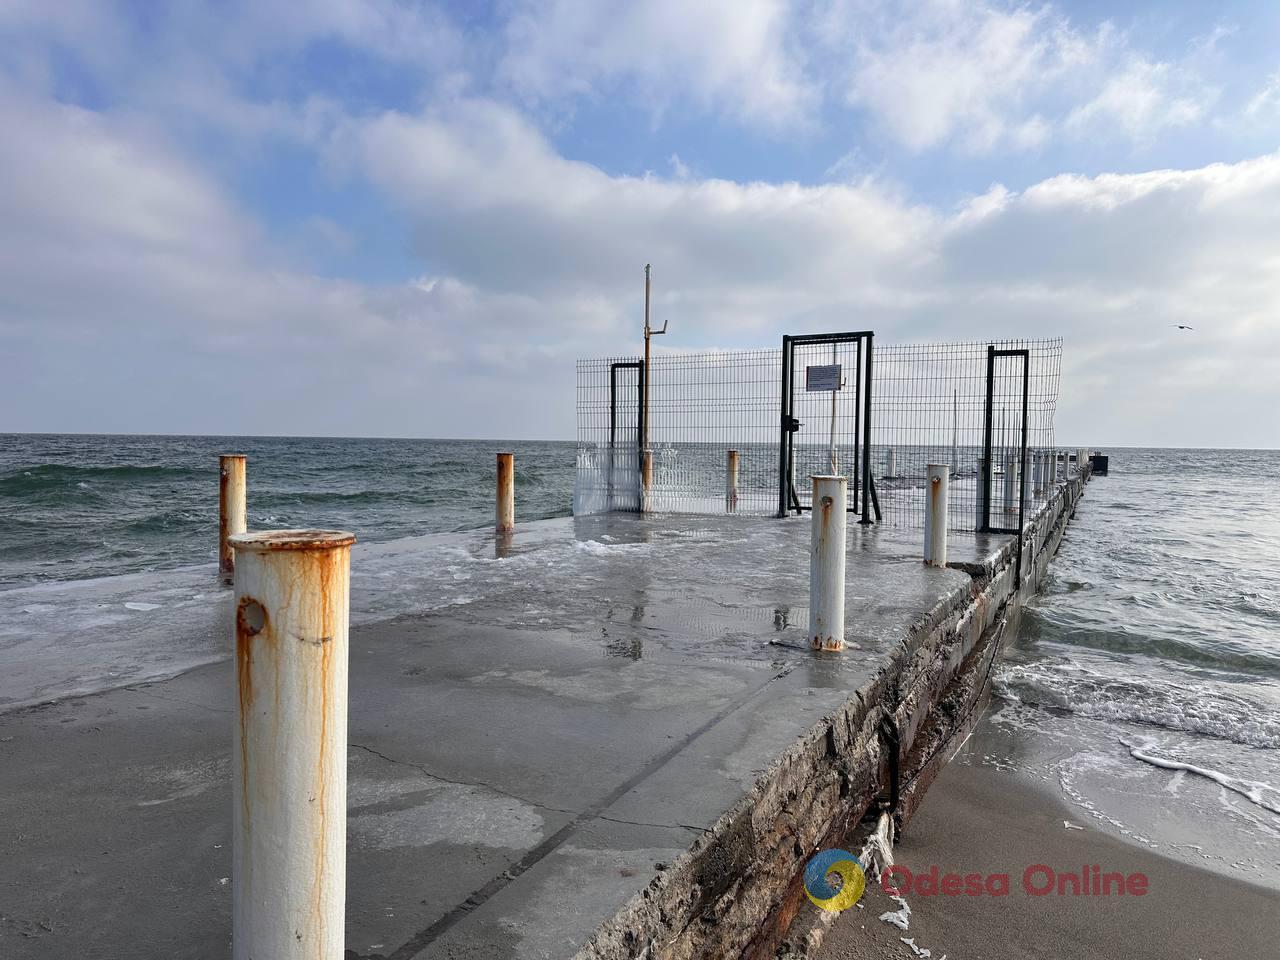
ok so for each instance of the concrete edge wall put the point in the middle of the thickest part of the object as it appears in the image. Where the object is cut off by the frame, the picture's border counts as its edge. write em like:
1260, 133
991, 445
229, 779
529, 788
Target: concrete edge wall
737, 889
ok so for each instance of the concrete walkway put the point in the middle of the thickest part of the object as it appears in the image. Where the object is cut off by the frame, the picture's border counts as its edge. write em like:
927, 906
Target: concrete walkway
544, 724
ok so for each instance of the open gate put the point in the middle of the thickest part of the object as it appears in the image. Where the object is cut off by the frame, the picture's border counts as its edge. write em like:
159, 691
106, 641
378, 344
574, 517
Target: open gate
1004, 446
826, 419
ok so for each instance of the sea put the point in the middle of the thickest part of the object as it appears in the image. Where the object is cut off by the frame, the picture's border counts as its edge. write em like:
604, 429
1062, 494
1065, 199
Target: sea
1142, 686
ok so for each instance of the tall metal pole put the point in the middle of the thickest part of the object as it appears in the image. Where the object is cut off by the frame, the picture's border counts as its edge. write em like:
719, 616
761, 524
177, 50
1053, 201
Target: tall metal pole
644, 440
646, 460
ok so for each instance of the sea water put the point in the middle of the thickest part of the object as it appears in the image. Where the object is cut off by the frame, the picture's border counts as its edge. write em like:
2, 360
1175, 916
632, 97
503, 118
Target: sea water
1143, 684
1145, 678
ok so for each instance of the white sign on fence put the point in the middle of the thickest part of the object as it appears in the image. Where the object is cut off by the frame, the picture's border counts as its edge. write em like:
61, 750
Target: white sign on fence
822, 378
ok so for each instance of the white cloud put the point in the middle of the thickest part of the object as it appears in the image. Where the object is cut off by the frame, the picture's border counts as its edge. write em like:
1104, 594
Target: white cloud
137, 295
987, 75
731, 56
1142, 100
1265, 104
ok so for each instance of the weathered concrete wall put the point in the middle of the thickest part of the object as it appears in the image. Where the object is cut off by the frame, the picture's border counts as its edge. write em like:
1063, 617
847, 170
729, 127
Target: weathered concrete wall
735, 892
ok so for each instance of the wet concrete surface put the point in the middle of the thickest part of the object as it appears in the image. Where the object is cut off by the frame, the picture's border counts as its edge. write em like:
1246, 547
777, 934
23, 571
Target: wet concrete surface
544, 722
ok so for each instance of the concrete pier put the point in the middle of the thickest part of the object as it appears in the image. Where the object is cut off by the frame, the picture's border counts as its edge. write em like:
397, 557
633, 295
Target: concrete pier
612, 740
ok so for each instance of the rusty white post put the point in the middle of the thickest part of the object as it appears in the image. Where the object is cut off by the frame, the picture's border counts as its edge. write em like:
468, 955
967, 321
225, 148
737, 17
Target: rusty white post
826, 563
980, 500
1024, 476
289, 753
731, 482
891, 464
506, 509
1010, 484
937, 494
232, 512
646, 480
1037, 472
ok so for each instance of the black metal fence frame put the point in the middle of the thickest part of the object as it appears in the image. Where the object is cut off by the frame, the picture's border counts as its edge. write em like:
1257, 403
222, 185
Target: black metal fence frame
863, 488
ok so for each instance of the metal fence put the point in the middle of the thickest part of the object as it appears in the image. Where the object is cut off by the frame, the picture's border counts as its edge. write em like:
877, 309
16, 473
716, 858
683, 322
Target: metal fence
929, 404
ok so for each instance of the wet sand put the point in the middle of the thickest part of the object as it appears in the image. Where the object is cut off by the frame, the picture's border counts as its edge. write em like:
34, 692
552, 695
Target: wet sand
986, 820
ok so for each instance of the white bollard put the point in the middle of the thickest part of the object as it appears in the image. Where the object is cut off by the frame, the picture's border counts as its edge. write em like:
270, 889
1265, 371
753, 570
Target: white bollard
826, 563
891, 464
646, 481
980, 500
289, 753
1010, 484
1037, 469
935, 514
506, 506
1025, 476
232, 511
731, 482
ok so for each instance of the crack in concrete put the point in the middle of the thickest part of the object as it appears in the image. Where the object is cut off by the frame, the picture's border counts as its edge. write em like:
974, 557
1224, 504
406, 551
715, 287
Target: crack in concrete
480, 784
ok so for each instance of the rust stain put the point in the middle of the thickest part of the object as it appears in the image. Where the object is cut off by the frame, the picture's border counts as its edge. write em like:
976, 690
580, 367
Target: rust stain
226, 555
330, 575
248, 613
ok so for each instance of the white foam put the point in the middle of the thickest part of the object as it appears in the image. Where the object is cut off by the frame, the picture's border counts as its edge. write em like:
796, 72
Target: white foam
1177, 703
1252, 790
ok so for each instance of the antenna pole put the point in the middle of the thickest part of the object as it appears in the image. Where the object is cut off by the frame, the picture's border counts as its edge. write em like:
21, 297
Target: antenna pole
648, 332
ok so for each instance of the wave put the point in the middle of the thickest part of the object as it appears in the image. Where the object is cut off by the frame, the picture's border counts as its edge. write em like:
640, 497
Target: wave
1255, 791
1184, 705
42, 477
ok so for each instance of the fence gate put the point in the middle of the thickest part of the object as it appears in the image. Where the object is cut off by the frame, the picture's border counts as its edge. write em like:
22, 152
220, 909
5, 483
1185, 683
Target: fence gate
626, 433
1004, 446
826, 419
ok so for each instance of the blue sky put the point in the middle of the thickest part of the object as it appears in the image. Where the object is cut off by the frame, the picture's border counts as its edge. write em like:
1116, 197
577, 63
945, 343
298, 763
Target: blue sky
356, 218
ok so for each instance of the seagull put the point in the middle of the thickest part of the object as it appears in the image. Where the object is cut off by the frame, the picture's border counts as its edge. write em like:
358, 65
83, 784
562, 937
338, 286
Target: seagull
1183, 326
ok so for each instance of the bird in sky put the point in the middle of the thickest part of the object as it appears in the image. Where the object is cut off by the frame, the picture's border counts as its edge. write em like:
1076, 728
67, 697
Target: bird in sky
1183, 326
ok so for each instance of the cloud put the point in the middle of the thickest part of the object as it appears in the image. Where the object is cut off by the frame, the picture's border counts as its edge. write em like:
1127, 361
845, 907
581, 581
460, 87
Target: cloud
1142, 100
732, 56
1264, 106
985, 76
138, 294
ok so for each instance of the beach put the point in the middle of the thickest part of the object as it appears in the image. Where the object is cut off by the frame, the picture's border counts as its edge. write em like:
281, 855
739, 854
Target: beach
985, 818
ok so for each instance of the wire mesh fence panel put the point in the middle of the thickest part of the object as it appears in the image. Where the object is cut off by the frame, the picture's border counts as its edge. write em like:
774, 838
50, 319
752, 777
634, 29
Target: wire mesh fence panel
609, 404
929, 405
701, 406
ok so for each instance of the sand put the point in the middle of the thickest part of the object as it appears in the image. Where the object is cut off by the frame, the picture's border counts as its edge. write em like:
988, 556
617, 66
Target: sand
984, 820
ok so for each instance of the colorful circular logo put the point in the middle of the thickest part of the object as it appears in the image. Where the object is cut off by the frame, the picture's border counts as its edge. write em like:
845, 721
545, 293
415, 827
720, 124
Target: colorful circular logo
818, 875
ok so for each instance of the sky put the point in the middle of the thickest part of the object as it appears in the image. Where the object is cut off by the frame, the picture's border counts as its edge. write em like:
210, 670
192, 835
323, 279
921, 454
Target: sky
394, 218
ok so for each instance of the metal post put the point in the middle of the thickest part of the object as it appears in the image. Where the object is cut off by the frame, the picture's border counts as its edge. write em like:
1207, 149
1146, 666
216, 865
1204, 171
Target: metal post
1010, 482
232, 512
985, 466
506, 507
784, 432
826, 563
866, 443
935, 515
981, 520
731, 482
646, 480
289, 753
1024, 474
891, 466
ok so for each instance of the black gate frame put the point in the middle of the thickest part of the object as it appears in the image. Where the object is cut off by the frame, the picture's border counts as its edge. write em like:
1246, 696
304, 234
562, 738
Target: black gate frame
864, 497
985, 467
613, 418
